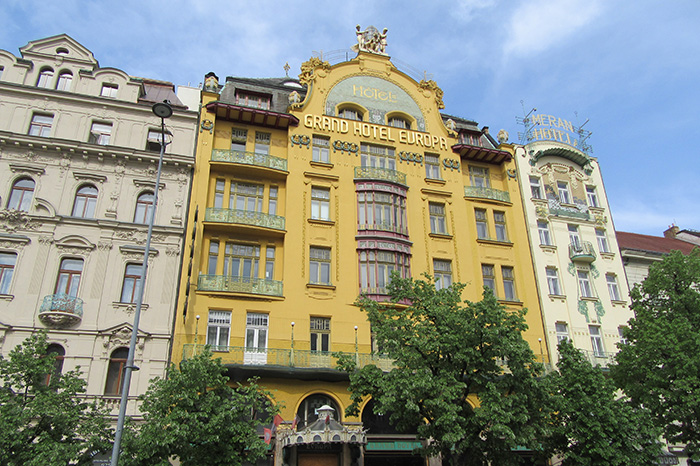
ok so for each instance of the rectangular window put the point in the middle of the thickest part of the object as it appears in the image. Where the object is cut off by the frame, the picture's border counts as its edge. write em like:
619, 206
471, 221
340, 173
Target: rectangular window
479, 177
320, 334
256, 337
270, 263
100, 133
377, 156
592, 196
109, 90
545, 236
41, 125
154, 139
443, 273
574, 237
246, 196
553, 281
213, 257
7, 269
131, 286
238, 139
219, 190
499, 219
272, 201
536, 188
320, 203
69, 274
602, 240
262, 143
596, 340
320, 266
432, 167
584, 284
613, 289
253, 100
438, 223
241, 260
218, 330
482, 227
621, 332
564, 194
509, 283
321, 149
487, 271
562, 332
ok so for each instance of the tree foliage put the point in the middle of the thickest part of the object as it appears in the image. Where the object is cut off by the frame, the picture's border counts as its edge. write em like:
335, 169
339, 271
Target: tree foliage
590, 424
194, 415
44, 423
659, 368
445, 352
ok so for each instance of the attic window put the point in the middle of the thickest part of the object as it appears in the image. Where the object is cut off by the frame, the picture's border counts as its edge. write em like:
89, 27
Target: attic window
471, 139
61, 51
249, 99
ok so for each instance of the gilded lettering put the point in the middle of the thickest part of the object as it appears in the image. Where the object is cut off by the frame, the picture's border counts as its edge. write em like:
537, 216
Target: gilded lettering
357, 128
383, 133
355, 89
411, 139
326, 123
552, 120
343, 126
419, 139
443, 143
382, 95
402, 136
388, 135
365, 130
308, 120
435, 141
317, 122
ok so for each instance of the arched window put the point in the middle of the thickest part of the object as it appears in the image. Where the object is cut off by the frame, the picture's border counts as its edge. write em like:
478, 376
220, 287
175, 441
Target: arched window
308, 409
144, 208
350, 113
398, 122
68, 280
115, 371
21, 194
57, 351
379, 423
45, 77
85, 202
64, 80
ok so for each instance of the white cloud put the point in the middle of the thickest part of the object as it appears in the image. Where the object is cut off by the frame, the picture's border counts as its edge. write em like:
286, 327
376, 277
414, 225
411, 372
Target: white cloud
538, 25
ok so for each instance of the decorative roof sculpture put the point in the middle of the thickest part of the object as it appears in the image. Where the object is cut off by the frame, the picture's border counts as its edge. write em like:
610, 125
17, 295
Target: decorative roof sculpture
370, 40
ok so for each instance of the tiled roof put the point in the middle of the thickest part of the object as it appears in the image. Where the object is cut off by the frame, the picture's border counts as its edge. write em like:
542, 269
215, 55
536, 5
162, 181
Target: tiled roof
657, 244
158, 91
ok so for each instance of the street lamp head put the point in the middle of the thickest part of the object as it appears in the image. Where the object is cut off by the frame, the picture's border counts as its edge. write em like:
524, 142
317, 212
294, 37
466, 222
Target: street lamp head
162, 109
292, 324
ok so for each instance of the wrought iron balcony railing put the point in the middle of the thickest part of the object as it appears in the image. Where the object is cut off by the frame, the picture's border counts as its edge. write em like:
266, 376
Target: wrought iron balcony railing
249, 158
385, 174
288, 357
244, 217
226, 283
486, 193
581, 251
61, 310
600, 358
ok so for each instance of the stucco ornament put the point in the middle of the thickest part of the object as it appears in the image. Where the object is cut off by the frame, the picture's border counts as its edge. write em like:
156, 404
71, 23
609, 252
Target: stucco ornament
502, 136
309, 66
12, 220
294, 99
370, 40
211, 82
431, 85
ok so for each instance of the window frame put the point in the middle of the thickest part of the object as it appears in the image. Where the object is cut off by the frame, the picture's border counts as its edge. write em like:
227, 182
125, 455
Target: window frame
8, 263
592, 197
101, 133
544, 233
562, 331
40, 128
68, 280
220, 322
375, 269
596, 341
257, 332
536, 187
488, 275
63, 84
113, 90
553, 283
154, 138
21, 197
45, 78
320, 149
246, 255
115, 371
482, 224
251, 99
602, 239
584, 284
239, 139
131, 278
442, 273
432, 166
320, 203
213, 257
263, 142
479, 177
320, 265
499, 223
438, 218
320, 332
509, 289
241, 194
144, 208
613, 287
84, 201
564, 192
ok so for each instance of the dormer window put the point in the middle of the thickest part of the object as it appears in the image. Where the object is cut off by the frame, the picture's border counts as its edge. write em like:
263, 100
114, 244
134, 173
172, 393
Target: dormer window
45, 77
470, 139
350, 114
398, 122
64, 80
109, 90
250, 99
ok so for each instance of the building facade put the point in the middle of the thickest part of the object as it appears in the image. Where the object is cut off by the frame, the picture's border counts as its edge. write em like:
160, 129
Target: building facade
307, 193
79, 147
580, 276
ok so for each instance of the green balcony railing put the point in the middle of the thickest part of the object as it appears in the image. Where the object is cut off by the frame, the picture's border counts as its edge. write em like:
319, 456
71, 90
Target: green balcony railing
599, 358
582, 251
375, 173
486, 193
244, 217
249, 158
61, 310
286, 357
232, 284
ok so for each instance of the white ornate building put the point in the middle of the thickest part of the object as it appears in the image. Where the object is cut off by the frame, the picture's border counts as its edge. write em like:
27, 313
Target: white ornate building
78, 157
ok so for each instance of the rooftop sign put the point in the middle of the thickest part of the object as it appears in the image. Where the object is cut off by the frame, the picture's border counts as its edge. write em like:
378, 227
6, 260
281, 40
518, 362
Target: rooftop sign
541, 127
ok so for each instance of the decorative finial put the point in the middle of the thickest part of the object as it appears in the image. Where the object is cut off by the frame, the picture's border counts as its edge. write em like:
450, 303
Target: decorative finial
287, 68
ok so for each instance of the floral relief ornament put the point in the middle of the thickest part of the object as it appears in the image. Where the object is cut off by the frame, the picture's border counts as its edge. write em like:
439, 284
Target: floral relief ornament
431, 85
308, 69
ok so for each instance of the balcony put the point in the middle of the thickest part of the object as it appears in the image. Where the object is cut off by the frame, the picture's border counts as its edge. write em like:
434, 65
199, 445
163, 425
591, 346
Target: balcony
229, 284
253, 159
602, 359
382, 174
61, 310
581, 251
302, 359
244, 217
478, 192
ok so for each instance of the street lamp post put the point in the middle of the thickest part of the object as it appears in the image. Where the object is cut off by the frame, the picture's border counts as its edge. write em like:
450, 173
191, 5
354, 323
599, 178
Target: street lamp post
162, 110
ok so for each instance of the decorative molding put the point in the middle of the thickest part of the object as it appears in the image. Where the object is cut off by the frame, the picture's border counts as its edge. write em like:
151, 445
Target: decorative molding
13, 242
148, 184
136, 252
322, 176
128, 308
13, 220
22, 168
89, 177
172, 251
436, 192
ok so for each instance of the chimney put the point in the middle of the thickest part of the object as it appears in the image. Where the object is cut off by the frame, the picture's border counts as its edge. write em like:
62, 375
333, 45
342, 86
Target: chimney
671, 232
485, 130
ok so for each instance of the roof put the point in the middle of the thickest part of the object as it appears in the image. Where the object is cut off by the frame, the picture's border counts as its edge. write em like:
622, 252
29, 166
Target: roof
654, 244
158, 91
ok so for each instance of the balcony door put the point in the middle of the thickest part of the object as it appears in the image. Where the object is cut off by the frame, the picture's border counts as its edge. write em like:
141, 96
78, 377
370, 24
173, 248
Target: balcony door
256, 338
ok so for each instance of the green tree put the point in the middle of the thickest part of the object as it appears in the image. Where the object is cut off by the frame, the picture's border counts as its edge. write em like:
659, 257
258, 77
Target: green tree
44, 423
590, 424
445, 352
659, 368
195, 416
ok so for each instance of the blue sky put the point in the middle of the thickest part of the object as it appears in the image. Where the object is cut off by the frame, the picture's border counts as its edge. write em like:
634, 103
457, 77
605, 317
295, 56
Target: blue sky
631, 67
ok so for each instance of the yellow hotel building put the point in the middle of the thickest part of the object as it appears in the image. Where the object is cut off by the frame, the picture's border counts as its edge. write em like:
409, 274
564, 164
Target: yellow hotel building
309, 192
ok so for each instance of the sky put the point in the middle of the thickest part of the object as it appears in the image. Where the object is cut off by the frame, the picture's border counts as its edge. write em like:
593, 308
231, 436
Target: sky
629, 67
